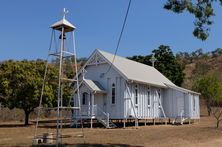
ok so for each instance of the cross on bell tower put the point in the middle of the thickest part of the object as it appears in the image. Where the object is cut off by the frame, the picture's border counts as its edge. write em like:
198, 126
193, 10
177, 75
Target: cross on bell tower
64, 13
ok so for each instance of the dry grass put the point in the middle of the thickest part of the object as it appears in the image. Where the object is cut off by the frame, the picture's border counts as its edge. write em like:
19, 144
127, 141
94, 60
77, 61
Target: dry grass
203, 133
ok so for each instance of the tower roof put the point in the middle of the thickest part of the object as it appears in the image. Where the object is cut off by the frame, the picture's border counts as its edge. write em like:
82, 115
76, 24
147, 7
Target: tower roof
68, 27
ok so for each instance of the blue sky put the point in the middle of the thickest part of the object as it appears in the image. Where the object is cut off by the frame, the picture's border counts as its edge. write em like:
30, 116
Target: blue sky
25, 32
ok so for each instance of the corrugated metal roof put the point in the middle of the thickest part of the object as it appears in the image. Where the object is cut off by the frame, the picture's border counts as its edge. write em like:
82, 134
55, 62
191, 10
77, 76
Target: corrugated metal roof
68, 27
137, 72
94, 86
182, 89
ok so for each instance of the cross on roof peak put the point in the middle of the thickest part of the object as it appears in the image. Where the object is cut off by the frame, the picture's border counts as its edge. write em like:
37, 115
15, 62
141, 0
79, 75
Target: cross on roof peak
153, 60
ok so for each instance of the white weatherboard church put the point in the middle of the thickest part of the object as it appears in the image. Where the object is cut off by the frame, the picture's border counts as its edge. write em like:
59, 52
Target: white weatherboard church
130, 90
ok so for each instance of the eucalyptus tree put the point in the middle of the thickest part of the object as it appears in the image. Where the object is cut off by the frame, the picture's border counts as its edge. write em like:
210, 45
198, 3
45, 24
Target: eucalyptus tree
21, 84
202, 10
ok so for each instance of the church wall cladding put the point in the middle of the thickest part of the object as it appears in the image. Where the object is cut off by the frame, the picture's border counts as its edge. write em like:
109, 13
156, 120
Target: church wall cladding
177, 103
107, 79
123, 107
147, 105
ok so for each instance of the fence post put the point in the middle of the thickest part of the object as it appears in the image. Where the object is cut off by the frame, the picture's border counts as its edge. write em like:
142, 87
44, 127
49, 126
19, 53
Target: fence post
0, 111
91, 108
107, 125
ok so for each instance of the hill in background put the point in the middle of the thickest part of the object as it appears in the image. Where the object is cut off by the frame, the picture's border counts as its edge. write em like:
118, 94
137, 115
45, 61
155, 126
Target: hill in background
198, 63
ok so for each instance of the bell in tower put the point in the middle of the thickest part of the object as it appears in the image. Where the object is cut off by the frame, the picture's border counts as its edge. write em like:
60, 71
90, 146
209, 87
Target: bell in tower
62, 37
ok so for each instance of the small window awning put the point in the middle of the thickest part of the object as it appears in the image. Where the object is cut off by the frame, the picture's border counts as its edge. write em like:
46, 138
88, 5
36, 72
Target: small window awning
94, 86
182, 89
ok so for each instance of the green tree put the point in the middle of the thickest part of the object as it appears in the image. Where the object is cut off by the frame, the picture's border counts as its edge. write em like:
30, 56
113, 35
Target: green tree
21, 83
202, 10
141, 59
168, 65
210, 89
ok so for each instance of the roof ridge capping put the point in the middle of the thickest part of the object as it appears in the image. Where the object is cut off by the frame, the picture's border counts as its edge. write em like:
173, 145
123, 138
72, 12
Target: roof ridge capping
125, 58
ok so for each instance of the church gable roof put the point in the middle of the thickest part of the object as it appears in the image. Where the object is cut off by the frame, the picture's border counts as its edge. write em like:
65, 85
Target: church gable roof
136, 71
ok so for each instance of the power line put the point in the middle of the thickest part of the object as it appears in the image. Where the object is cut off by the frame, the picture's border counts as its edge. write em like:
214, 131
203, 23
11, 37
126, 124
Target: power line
120, 36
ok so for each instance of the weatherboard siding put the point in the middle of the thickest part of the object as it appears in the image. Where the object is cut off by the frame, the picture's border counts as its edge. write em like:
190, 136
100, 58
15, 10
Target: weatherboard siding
176, 101
94, 72
142, 110
194, 108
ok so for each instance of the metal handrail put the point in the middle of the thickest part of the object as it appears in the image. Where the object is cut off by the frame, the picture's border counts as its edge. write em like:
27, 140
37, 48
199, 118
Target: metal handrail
89, 109
106, 115
182, 113
98, 108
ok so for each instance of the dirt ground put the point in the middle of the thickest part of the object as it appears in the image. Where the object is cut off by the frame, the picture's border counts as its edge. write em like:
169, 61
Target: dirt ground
198, 134
201, 133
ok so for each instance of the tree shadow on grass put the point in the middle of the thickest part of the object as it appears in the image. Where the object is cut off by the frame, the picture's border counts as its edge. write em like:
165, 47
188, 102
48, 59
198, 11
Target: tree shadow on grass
204, 115
12, 125
87, 145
